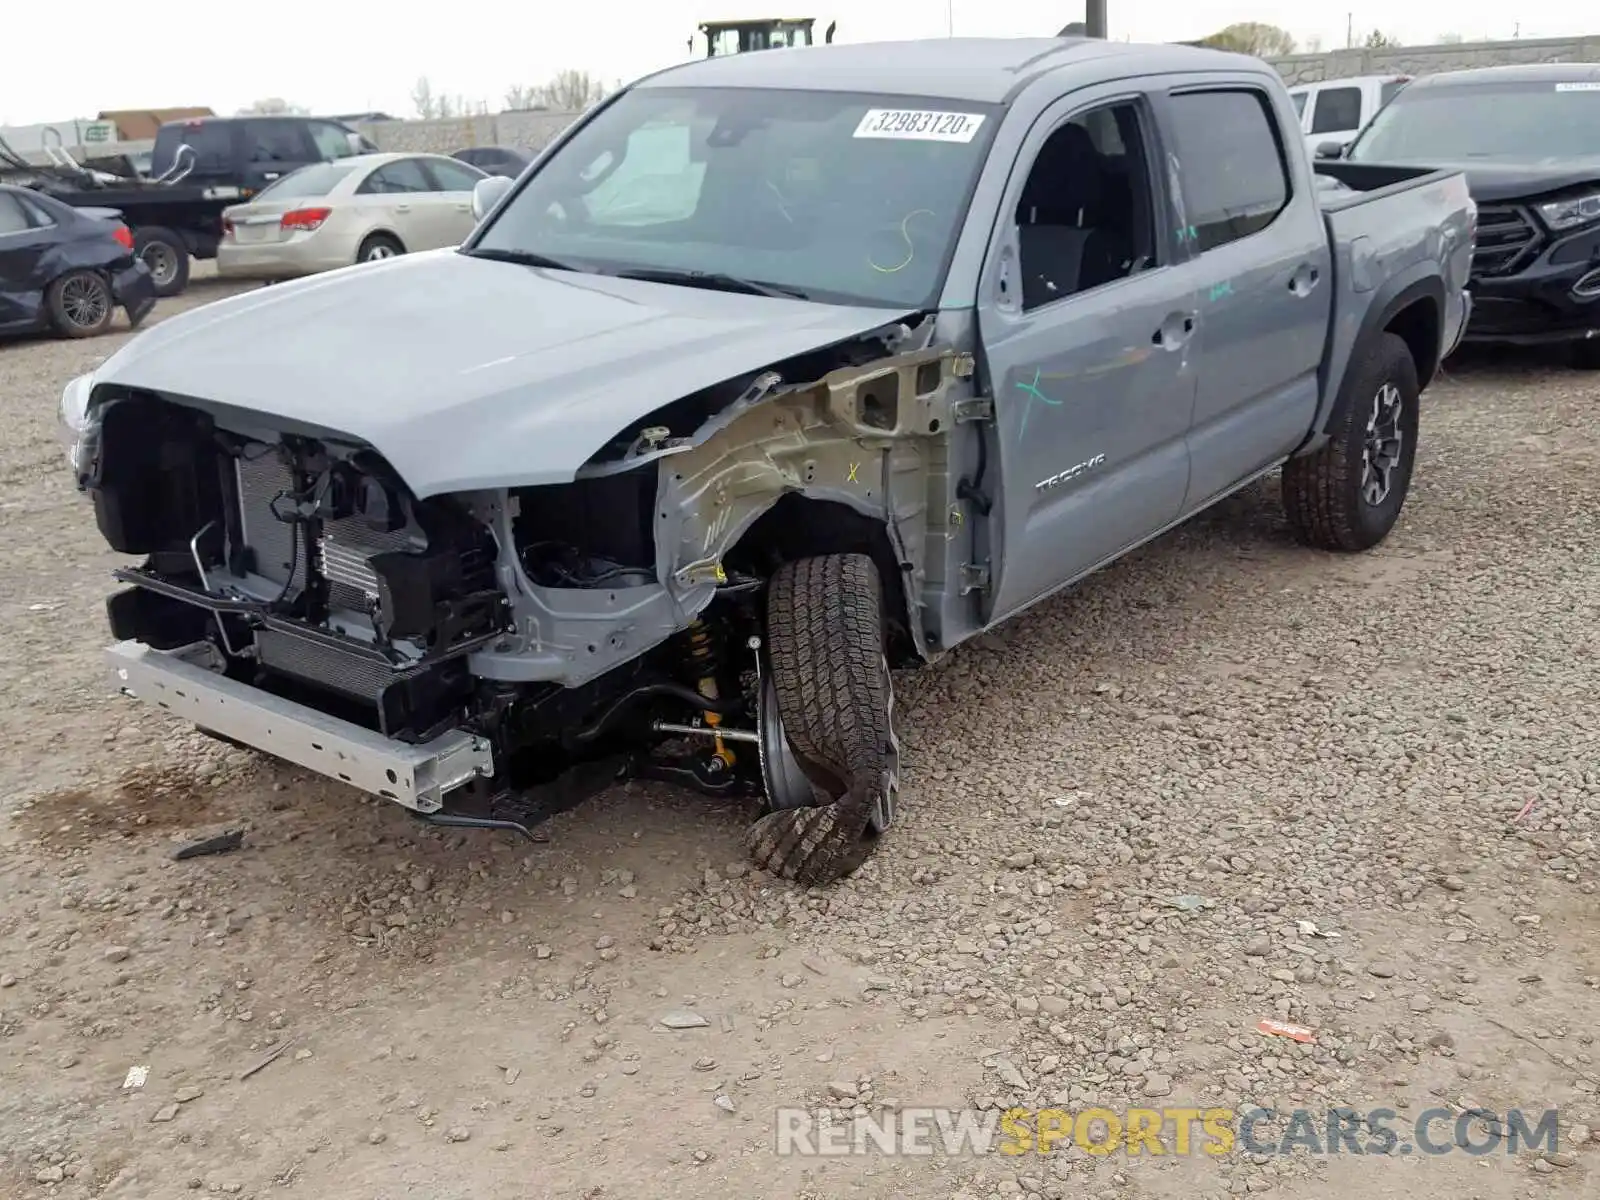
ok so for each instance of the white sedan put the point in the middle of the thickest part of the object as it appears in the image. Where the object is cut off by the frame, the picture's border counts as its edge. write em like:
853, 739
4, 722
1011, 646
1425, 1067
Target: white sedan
351, 210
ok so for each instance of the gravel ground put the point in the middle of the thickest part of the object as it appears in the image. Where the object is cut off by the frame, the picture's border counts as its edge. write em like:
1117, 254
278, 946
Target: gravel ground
1118, 812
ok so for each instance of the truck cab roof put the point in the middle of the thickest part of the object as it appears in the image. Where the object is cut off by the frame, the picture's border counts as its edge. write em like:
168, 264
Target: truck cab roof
979, 70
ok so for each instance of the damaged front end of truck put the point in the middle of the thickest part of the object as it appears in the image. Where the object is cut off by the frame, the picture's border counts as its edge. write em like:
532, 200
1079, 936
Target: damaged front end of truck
491, 656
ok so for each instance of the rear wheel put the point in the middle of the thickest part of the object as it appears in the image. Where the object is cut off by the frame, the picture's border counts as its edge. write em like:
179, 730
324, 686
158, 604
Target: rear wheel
832, 703
377, 247
81, 304
167, 256
1348, 494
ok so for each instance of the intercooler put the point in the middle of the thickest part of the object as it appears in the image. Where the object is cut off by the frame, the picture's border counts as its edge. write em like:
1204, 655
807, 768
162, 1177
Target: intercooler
343, 546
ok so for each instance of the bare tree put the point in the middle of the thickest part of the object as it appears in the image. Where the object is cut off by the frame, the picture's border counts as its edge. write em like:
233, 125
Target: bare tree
1252, 37
1378, 40
272, 106
520, 96
573, 91
1313, 44
423, 100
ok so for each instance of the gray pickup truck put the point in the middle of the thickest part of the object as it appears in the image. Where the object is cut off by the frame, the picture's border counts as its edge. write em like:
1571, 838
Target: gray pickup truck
773, 373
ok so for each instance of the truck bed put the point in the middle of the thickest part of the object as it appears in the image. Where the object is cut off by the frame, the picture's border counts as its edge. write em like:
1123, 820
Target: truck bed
1391, 228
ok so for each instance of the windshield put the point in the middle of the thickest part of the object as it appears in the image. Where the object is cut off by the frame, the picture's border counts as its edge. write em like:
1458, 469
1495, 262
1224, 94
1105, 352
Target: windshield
843, 197
1508, 121
316, 180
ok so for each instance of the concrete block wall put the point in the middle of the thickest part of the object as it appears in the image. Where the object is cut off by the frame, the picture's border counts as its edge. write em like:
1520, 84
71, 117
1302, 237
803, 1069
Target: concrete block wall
530, 131
1430, 60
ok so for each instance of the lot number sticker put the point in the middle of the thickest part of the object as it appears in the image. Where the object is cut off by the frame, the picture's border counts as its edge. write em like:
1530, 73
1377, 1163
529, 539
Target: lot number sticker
1578, 87
921, 125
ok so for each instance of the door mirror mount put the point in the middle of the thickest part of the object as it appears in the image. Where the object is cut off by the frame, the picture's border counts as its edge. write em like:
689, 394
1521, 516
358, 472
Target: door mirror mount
1330, 150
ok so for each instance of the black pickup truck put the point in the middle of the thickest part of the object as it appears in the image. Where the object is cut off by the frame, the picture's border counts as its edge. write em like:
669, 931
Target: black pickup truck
198, 168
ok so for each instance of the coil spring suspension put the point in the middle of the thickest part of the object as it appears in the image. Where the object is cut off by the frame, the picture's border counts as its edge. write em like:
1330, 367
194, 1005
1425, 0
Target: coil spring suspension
705, 660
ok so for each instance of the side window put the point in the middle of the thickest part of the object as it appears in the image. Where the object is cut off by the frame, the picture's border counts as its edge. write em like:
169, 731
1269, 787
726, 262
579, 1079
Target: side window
1337, 110
36, 213
657, 180
453, 176
1230, 164
12, 218
276, 141
1389, 90
1086, 218
211, 141
1299, 99
331, 141
396, 178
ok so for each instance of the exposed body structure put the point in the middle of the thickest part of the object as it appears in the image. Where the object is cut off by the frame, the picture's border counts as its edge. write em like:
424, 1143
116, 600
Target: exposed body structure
773, 373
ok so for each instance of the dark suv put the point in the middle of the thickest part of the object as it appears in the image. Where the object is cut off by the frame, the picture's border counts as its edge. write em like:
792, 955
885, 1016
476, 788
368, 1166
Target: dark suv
1528, 138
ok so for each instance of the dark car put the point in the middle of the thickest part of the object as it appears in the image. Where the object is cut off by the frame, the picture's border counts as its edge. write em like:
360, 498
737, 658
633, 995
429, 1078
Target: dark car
494, 160
1528, 139
66, 269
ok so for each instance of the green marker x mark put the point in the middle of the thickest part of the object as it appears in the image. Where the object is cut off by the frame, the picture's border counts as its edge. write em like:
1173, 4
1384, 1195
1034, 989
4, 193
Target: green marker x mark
1033, 394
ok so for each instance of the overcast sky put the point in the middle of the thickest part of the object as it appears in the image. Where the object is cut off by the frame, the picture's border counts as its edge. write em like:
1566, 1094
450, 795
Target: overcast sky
339, 56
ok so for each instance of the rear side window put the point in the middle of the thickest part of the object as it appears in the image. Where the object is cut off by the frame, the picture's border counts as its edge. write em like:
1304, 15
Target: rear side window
316, 180
1338, 110
211, 141
454, 176
1389, 90
12, 218
276, 141
396, 178
1231, 167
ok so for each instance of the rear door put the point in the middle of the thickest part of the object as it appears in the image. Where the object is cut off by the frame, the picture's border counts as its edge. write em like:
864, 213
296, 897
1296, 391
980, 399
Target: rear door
452, 199
1253, 229
400, 196
22, 245
271, 148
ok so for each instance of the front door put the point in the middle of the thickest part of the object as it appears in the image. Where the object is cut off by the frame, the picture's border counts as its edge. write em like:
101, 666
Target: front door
1254, 231
452, 199
1086, 318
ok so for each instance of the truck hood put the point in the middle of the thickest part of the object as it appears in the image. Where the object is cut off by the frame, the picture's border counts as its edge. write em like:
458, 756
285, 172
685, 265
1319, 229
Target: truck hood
1501, 180
465, 373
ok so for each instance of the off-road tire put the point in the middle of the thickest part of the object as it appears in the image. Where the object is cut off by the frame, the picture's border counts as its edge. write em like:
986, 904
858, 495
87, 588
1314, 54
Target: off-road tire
169, 249
825, 642
1322, 491
66, 297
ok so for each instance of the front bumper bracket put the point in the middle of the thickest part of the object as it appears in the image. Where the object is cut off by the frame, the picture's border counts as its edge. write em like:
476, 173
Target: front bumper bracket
418, 777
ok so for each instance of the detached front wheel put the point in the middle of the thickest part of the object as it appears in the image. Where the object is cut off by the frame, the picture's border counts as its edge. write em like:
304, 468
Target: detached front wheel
831, 759
1348, 494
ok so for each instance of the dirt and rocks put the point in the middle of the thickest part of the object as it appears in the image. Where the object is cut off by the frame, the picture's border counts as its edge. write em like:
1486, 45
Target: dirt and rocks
1134, 822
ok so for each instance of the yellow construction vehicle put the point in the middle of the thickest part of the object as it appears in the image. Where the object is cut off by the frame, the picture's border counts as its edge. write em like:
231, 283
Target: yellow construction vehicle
758, 33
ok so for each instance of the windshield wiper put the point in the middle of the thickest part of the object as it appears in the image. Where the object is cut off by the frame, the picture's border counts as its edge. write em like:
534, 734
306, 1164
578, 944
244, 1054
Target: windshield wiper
714, 280
525, 258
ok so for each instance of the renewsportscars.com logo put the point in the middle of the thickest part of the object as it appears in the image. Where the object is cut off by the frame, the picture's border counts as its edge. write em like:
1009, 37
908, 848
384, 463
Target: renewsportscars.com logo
1213, 1132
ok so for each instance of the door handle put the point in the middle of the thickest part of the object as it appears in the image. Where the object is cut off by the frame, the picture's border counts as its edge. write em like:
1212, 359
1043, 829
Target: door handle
1174, 331
1304, 279
463, 208
402, 208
